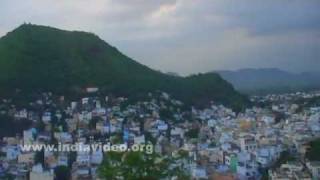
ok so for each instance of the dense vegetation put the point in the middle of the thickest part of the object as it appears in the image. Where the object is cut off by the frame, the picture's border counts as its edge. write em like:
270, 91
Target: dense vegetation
62, 173
140, 166
313, 102
313, 153
285, 157
11, 127
36, 58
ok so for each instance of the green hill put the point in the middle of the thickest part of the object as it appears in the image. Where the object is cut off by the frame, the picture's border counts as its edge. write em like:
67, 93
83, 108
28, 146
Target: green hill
36, 57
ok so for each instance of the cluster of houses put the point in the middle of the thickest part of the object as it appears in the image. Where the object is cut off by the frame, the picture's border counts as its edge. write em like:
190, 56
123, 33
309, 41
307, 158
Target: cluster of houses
219, 143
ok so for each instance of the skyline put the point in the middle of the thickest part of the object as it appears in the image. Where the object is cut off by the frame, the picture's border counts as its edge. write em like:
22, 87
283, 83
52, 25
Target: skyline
206, 35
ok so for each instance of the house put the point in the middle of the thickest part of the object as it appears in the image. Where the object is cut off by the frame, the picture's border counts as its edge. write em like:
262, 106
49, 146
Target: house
247, 170
214, 155
46, 117
102, 127
62, 160
99, 111
92, 89
37, 173
292, 166
20, 171
267, 154
161, 125
230, 159
85, 116
74, 105
314, 168
12, 153
28, 136
72, 124
199, 173
96, 157
139, 139
27, 158
83, 157
11, 140
80, 172
50, 159
288, 171
302, 175
176, 131
248, 143
22, 114
84, 101
211, 123
63, 137
279, 174
43, 137
223, 176
225, 137
268, 120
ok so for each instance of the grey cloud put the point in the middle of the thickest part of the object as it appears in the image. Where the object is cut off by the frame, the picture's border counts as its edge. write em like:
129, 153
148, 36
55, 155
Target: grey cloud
188, 36
268, 17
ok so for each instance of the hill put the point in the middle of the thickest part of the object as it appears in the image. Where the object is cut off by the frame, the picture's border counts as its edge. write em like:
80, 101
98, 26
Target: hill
43, 58
270, 80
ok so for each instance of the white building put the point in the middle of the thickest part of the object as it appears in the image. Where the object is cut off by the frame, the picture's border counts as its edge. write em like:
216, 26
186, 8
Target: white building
37, 173
314, 168
248, 143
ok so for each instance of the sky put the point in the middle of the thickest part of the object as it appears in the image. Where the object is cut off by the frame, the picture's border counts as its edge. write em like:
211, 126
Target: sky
188, 36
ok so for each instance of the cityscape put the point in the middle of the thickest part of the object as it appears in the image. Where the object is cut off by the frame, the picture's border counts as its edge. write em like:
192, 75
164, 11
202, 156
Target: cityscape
270, 138
160, 90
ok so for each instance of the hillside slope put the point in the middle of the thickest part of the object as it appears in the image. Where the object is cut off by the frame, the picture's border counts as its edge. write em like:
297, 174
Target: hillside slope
36, 57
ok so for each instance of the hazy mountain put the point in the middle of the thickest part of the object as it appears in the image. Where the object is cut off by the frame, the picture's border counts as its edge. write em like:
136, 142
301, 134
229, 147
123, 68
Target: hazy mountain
270, 80
36, 57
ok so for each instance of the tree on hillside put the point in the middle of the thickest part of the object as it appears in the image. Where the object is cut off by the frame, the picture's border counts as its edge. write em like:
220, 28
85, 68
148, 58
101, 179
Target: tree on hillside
138, 166
314, 150
62, 173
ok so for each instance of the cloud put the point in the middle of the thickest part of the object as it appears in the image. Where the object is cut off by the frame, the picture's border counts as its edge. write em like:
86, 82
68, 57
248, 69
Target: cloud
272, 17
188, 36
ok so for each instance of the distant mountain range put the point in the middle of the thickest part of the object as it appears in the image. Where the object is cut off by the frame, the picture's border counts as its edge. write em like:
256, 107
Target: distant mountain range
270, 80
39, 58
